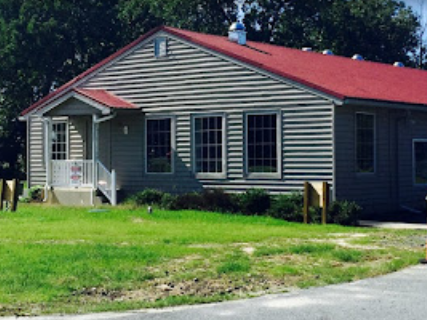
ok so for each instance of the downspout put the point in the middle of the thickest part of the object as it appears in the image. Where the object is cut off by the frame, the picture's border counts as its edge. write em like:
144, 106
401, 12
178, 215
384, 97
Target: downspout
46, 125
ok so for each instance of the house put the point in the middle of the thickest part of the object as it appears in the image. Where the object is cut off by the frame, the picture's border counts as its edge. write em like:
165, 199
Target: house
181, 111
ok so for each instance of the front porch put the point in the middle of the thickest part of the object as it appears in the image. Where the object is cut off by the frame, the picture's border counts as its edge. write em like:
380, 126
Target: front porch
77, 158
83, 174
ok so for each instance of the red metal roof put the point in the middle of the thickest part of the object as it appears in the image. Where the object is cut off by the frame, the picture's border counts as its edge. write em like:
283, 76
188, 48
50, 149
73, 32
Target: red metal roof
337, 76
106, 98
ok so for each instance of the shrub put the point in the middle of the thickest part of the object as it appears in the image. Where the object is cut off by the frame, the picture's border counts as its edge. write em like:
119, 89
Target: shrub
344, 212
188, 201
35, 194
148, 196
218, 200
168, 201
254, 202
288, 207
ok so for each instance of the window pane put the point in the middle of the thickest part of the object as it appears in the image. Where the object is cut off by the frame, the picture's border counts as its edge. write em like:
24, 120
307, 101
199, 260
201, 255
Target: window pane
420, 154
159, 147
365, 144
208, 138
59, 141
262, 144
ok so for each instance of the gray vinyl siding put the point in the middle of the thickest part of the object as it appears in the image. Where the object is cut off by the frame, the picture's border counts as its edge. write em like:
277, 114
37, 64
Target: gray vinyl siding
36, 168
127, 151
80, 142
391, 185
73, 107
105, 144
193, 81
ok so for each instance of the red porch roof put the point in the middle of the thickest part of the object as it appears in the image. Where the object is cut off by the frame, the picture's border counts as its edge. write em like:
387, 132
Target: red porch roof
106, 98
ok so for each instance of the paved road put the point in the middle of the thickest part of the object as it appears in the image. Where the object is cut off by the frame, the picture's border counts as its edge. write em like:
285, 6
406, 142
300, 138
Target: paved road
402, 295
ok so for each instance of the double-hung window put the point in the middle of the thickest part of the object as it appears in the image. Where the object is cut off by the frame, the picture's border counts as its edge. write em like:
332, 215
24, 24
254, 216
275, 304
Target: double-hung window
59, 143
420, 161
365, 143
159, 152
209, 145
262, 140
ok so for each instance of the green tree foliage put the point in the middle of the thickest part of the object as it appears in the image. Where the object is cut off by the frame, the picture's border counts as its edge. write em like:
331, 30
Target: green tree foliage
379, 30
45, 43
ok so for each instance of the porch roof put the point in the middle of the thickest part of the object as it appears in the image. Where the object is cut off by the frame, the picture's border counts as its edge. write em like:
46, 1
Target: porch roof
106, 98
99, 99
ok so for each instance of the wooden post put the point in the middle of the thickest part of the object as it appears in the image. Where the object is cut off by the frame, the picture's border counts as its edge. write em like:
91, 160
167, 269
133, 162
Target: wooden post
325, 201
306, 201
1, 194
14, 195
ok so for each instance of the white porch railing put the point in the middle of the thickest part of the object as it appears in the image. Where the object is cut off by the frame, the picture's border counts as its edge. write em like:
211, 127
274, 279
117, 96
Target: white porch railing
107, 182
80, 173
71, 173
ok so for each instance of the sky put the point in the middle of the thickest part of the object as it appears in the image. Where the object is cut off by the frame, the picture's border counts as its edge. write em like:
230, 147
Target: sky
417, 5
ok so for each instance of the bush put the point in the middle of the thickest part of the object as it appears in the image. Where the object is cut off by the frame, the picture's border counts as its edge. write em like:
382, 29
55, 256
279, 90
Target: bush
188, 201
168, 201
148, 196
219, 201
344, 212
254, 202
36, 194
288, 207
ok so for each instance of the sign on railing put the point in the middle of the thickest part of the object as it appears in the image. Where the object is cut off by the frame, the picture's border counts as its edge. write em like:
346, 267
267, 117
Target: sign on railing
76, 169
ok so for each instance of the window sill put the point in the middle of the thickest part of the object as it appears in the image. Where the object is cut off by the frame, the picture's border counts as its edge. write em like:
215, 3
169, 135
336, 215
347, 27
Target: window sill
159, 173
213, 176
264, 176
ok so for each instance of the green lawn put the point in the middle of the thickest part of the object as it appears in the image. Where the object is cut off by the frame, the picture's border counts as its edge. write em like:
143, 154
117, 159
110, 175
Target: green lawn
56, 259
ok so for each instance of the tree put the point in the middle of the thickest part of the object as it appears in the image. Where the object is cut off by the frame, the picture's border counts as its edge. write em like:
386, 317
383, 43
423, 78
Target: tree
379, 30
43, 44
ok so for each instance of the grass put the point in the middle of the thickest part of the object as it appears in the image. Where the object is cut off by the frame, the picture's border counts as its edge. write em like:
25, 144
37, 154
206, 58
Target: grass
72, 260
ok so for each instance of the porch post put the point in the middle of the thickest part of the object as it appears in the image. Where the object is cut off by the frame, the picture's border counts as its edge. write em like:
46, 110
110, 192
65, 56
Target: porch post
95, 127
48, 149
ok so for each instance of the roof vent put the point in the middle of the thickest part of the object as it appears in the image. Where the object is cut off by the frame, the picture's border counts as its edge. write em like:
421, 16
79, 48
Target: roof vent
357, 57
398, 64
328, 52
307, 49
237, 31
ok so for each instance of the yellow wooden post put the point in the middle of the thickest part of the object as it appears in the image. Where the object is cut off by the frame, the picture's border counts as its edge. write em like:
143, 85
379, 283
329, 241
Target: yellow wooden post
1, 194
14, 195
306, 201
325, 201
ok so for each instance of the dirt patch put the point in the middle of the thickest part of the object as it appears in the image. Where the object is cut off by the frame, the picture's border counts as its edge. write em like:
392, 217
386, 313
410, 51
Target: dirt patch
220, 286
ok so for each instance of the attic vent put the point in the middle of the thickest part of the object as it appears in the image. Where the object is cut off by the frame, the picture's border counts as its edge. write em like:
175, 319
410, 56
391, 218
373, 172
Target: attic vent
160, 47
398, 64
328, 52
357, 57
307, 49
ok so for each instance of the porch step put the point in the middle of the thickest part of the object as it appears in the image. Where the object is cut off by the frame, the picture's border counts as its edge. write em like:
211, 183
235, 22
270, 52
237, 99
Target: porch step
73, 197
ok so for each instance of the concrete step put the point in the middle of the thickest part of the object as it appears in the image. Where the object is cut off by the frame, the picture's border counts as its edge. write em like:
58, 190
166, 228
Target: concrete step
73, 197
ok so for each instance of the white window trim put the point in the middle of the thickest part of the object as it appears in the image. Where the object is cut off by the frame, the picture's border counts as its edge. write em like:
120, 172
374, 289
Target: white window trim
173, 144
67, 138
278, 175
205, 175
375, 144
414, 178
157, 42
